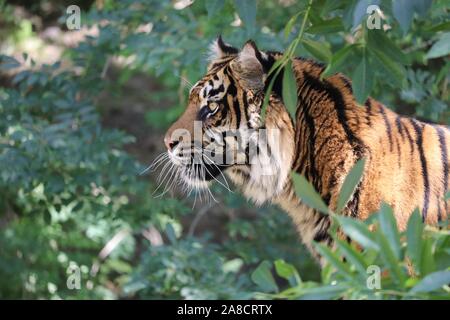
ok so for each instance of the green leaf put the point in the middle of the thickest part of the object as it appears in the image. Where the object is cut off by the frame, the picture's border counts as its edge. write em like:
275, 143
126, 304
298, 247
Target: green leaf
353, 256
393, 70
170, 232
288, 272
404, 10
274, 70
262, 276
213, 6
388, 226
318, 49
289, 90
441, 47
290, 24
8, 63
22, 75
233, 265
247, 12
350, 183
371, 219
447, 196
414, 238
323, 292
444, 26
379, 41
427, 264
362, 80
338, 60
308, 194
334, 260
327, 26
390, 259
358, 232
432, 282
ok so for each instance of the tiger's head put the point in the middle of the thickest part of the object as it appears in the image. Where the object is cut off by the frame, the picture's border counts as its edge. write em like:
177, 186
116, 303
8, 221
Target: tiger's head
220, 126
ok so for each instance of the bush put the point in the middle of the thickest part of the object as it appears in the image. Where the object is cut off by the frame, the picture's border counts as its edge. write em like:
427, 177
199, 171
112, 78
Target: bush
60, 202
392, 265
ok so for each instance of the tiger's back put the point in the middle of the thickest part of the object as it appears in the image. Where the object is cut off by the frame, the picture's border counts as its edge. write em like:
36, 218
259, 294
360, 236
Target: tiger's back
407, 160
408, 165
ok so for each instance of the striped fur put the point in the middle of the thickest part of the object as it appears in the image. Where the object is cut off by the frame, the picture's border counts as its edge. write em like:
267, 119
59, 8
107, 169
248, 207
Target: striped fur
407, 160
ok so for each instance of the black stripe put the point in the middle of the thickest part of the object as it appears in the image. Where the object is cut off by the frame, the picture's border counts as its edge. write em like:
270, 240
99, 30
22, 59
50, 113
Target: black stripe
410, 140
214, 92
224, 112
330, 186
340, 106
245, 107
336, 96
439, 209
398, 123
225, 47
399, 152
301, 163
231, 90
316, 64
323, 223
237, 111
300, 136
312, 173
388, 126
278, 83
368, 104
226, 106
324, 143
347, 83
216, 66
426, 183
353, 204
309, 126
327, 198
444, 159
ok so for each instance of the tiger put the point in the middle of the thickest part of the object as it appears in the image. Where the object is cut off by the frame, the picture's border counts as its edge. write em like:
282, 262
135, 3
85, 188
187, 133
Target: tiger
406, 160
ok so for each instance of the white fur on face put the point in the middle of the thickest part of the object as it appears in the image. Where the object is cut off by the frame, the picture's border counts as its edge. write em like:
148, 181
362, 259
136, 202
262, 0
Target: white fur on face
269, 170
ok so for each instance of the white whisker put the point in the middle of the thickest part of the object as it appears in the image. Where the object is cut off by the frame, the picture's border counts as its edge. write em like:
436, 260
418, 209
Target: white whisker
226, 185
171, 164
154, 165
186, 81
169, 181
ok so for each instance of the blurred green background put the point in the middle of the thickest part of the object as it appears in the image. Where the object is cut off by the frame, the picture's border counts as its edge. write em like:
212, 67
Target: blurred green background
83, 112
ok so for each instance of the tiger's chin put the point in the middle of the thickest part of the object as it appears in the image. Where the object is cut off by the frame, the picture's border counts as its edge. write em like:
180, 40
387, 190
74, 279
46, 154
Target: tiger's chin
200, 175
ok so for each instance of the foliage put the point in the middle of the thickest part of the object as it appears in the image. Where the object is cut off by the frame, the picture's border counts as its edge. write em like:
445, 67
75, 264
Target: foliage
60, 203
189, 269
380, 264
72, 197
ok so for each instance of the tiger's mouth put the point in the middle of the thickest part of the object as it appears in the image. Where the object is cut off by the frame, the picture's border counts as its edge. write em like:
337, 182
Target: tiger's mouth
196, 169
201, 172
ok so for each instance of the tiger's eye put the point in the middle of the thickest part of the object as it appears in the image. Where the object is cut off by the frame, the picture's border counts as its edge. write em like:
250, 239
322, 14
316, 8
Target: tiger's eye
213, 106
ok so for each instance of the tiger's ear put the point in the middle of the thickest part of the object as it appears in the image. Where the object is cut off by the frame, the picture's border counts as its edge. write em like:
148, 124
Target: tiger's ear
219, 49
249, 66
